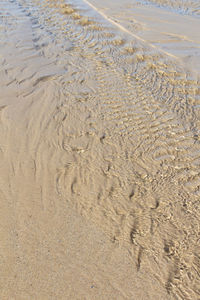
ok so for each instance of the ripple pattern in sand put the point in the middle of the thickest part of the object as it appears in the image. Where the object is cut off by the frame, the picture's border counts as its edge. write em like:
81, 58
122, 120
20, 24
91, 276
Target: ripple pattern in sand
114, 130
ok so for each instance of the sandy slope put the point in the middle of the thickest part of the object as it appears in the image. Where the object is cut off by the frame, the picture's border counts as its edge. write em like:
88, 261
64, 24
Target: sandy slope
99, 160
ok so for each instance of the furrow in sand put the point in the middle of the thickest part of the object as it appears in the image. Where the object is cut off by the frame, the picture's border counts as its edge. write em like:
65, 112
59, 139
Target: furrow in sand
107, 127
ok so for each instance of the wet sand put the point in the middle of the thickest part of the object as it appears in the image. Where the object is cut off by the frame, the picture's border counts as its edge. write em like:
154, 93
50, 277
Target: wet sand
99, 150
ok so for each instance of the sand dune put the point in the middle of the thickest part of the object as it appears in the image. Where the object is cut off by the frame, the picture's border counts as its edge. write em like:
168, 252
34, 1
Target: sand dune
99, 158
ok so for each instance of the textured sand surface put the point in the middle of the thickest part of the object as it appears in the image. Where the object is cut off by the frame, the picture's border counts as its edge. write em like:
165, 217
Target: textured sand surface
99, 153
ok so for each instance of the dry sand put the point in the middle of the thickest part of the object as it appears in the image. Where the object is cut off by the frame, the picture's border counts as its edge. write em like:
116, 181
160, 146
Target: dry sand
99, 151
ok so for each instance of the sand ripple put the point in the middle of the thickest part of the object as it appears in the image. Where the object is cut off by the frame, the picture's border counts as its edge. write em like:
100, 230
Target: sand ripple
100, 157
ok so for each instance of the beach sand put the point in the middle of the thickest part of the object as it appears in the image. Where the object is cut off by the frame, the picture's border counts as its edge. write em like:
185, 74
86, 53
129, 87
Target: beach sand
99, 150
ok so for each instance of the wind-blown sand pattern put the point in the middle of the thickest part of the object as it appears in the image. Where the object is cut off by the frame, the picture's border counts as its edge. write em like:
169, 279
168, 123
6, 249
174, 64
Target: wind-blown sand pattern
181, 6
99, 158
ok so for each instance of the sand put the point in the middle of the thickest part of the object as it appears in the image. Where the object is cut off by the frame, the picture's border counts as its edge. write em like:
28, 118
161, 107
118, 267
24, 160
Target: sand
99, 150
